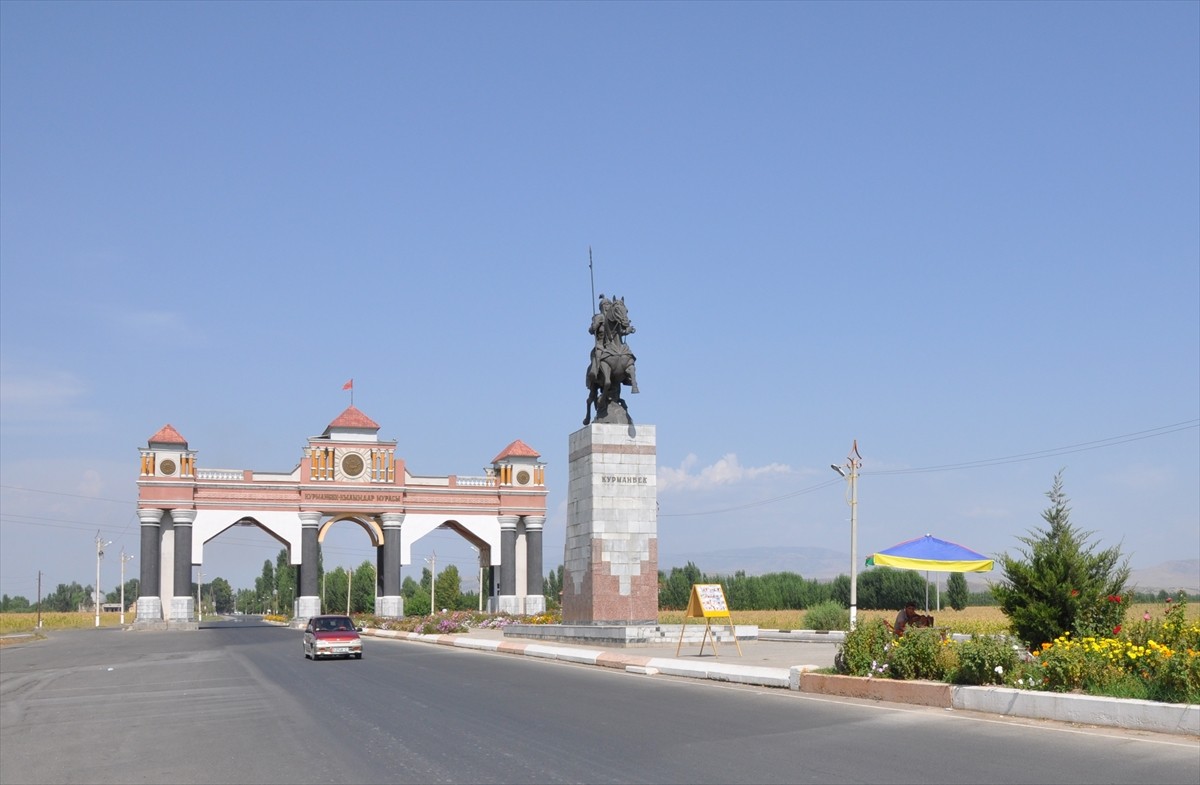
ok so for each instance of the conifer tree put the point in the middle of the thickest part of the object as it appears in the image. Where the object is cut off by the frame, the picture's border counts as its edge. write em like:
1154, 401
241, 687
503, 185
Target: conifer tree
1061, 584
957, 593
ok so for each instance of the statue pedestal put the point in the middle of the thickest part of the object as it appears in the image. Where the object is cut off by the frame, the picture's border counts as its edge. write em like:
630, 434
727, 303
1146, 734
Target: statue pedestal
610, 564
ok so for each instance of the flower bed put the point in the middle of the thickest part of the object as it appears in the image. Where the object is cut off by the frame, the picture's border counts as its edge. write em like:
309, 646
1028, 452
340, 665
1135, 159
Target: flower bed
1154, 659
453, 622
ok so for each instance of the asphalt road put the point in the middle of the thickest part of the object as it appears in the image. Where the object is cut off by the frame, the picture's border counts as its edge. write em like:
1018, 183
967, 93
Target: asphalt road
238, 703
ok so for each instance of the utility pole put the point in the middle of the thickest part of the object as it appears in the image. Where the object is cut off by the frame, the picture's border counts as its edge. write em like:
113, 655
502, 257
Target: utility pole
199, 583
432, 579
349, 585
39, 599
100, 546
853, 463
124, 559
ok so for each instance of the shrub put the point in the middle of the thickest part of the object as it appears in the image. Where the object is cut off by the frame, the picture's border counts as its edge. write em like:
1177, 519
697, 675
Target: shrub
865, 649
981, 656
828, 615
921, 654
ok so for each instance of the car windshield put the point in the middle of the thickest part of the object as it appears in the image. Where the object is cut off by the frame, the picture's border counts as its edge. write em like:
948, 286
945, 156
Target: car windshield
333, 623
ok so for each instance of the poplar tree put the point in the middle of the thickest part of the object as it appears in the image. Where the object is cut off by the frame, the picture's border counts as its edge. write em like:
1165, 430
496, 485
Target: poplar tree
957, 593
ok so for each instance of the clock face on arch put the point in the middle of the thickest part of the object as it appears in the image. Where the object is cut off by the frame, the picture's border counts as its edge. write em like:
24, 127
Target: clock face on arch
522, 477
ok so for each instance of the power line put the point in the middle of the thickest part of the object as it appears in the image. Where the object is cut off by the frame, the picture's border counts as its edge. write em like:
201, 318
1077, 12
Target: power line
1111, 441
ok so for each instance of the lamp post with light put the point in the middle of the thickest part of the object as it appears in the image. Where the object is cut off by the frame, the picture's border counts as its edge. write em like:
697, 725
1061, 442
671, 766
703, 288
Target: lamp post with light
124, 559
850, 472
101, 544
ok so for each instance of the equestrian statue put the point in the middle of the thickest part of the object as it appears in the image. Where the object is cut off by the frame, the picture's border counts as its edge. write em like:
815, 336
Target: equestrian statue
612, 362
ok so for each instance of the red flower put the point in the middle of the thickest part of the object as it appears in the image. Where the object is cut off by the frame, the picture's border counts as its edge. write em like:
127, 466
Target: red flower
1117, 629
1074, 592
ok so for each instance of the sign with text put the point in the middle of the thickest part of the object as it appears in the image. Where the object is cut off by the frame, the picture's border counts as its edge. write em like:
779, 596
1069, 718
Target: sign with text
708, 600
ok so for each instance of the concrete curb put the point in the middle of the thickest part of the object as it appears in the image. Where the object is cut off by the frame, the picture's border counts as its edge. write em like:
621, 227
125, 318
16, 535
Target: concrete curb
1171, 718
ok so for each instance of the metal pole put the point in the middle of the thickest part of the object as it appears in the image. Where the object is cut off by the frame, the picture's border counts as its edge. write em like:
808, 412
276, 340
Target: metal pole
199, 583
854, 464
100, 545
124, 559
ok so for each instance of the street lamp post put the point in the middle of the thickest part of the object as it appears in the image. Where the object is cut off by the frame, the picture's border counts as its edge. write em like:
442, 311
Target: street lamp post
101, 544
199, 585
124, 559
853, 464
432, 561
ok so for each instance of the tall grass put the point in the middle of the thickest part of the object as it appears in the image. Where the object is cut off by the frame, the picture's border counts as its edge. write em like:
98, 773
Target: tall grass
981, 620
12, 623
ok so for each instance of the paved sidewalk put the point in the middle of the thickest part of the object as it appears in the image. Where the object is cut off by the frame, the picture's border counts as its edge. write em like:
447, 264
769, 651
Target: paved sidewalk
789, 661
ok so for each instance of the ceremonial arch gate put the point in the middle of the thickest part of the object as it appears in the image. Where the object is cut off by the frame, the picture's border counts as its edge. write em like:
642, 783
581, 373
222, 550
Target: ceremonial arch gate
346, 473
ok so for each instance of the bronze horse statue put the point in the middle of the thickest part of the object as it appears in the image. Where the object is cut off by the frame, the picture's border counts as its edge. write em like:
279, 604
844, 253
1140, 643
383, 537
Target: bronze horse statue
613, 363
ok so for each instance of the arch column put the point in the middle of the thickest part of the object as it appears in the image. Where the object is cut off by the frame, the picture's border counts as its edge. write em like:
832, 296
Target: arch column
390, 602
149, 602
308, 603
535, 600
183, 604
506, 600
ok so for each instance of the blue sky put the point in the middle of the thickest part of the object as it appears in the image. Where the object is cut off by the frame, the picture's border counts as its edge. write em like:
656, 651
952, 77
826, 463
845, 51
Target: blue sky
966, 235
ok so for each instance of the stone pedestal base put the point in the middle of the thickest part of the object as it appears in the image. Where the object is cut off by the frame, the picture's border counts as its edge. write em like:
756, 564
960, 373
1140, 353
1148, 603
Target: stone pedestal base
610, 565
391, 607
183, 609
149, 611
307, 607
514, 605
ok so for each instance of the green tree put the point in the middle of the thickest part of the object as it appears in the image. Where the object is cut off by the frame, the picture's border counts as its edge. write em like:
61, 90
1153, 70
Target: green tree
16, 604
887, 588
222, 595
449, 589
418, 603
131, 592
675, 588
334, 597
68, 598
264, 585
362, 588
246, 601
957, 592
1061, 584
285, 582
552, 586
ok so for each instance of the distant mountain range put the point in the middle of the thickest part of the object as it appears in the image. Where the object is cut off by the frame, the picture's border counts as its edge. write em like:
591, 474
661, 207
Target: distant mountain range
826, 564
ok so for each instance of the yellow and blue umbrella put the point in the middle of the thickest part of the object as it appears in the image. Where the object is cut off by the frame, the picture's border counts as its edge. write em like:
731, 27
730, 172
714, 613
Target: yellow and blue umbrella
931, 554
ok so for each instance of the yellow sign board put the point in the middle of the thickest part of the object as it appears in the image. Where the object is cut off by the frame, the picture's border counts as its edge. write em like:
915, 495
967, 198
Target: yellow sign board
707, 602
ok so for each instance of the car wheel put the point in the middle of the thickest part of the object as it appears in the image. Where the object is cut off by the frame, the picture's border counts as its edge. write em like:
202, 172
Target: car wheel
358, 656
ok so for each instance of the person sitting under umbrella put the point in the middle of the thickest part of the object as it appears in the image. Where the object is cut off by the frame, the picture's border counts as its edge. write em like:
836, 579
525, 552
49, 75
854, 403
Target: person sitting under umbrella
910, 618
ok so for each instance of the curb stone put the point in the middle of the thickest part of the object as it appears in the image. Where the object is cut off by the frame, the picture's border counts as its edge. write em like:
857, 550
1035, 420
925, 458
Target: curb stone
1171, 718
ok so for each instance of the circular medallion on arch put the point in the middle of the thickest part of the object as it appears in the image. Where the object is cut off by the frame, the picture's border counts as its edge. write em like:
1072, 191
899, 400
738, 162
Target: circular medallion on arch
352, 465
167, 466
522, 477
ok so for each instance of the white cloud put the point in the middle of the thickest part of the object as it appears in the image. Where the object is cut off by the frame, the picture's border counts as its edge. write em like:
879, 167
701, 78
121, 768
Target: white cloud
726, 471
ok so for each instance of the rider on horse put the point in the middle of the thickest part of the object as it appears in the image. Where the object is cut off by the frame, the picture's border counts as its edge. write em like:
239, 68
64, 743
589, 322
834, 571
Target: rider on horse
610, 326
